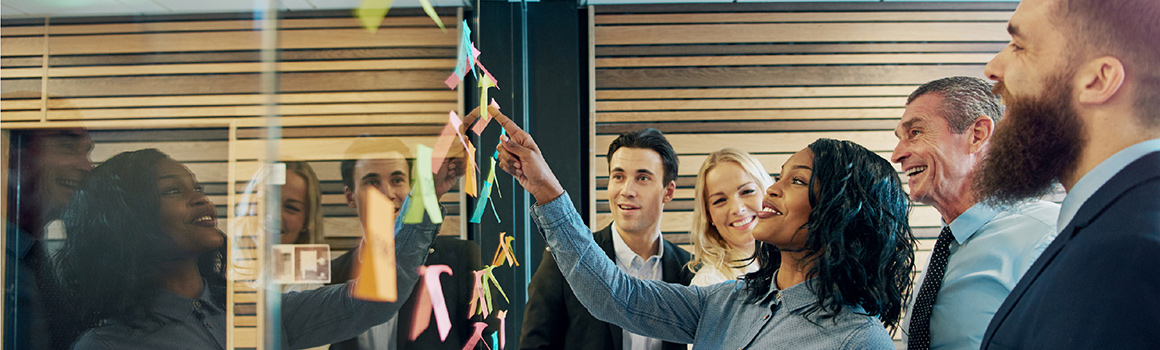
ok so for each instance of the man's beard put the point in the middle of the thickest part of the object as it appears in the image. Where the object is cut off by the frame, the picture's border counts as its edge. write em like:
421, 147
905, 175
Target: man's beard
1035, 145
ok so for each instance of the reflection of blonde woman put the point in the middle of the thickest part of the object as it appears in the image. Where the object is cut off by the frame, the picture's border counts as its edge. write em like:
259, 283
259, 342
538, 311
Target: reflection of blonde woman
301, 219
730, 186
301, 205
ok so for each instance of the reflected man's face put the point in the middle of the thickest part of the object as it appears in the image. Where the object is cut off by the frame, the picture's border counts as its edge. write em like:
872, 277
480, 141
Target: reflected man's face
391, 176
58, 162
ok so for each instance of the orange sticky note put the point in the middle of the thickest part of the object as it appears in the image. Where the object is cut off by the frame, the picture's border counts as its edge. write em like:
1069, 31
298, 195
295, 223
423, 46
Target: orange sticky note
375, 269
431, 300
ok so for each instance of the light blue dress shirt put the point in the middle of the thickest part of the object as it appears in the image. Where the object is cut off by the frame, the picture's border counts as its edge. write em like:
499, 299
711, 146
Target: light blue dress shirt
714, 317
991, 252
1098, 176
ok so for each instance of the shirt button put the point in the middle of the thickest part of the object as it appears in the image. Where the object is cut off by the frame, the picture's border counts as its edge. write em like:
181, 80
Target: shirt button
197, 304
208, 325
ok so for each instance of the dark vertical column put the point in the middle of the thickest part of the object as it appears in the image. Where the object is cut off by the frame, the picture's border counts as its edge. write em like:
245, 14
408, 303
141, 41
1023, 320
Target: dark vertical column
537, 52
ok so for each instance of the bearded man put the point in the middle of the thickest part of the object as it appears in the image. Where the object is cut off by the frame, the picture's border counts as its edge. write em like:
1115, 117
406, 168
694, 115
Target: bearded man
1081, 79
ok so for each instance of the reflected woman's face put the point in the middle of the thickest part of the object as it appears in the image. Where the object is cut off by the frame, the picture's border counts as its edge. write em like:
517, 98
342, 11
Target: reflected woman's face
786, 207
186, 214
293, 208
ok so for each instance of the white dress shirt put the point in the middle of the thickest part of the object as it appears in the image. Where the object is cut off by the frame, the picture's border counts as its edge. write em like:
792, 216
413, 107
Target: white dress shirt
645, 269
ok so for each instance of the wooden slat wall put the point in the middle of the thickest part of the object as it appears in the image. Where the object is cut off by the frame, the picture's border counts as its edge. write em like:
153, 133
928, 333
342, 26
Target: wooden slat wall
190, 86
771, 78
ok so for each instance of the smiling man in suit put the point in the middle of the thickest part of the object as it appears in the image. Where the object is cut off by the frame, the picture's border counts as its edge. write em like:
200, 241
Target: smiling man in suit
642, 178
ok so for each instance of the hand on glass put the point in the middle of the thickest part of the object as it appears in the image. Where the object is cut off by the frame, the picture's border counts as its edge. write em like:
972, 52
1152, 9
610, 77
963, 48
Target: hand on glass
520, 156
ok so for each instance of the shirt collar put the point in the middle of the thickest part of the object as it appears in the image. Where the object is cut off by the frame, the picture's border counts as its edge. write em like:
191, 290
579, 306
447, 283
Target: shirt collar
174, 306
970, 221
624, 254
795, 297
1098, 176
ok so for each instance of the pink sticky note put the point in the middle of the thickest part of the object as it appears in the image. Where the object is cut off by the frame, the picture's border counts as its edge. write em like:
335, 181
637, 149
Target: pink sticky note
443, 145
502, 315
484, 119
431, 299
476, 337
452, 81
477, 295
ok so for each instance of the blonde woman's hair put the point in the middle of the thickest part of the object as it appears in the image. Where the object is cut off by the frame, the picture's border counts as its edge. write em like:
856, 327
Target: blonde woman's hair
313, 225
247, 224
709, 248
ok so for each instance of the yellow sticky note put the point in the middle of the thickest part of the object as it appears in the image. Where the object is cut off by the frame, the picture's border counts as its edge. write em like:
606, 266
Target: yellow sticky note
431, 12
469, 175
376, 264
371, 13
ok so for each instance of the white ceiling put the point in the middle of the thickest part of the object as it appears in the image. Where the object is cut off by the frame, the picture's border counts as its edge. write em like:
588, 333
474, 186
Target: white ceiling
42, 8
54, 8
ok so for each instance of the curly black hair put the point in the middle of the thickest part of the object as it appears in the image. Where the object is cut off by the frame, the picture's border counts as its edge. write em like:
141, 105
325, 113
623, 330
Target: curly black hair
113, 257
860, 246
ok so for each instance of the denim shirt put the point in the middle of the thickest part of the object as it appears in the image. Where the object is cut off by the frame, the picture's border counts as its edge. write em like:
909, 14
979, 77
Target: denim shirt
713, 317
309, 318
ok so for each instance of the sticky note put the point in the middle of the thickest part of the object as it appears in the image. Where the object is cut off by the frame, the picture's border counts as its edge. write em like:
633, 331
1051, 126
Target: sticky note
371, 13
469, 175
503, 252
485, 82
430, 300
476, 336
423, 192
375, 269
481, 203
502, 316
495, 341
443, 145
494, 82
431, 12
465, 59
478, 301
446, 139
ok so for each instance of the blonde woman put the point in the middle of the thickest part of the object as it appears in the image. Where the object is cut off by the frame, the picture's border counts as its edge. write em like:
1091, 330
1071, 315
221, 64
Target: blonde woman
301, 205
730, 186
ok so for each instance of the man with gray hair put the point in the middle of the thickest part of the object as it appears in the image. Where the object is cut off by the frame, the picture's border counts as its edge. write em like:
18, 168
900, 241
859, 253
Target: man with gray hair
982, 251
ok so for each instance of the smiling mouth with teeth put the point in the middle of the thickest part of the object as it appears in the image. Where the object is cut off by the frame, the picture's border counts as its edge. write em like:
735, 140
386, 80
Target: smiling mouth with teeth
766, 208
915, 170
744, 222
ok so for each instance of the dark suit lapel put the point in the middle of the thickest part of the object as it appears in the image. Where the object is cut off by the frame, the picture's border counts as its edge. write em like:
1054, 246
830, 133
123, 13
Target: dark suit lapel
670, 265
1027, 280
603, 239
1144, 169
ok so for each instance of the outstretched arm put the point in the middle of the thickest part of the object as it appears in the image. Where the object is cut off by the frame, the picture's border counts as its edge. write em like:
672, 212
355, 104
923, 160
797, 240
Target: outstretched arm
651, 308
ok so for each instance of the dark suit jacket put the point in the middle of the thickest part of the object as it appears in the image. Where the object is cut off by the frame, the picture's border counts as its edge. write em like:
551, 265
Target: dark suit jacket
554, 319
463, 258
1095, 286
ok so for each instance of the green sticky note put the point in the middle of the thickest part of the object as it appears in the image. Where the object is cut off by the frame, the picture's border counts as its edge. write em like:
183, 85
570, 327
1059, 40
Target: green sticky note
431, 12
423, 193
